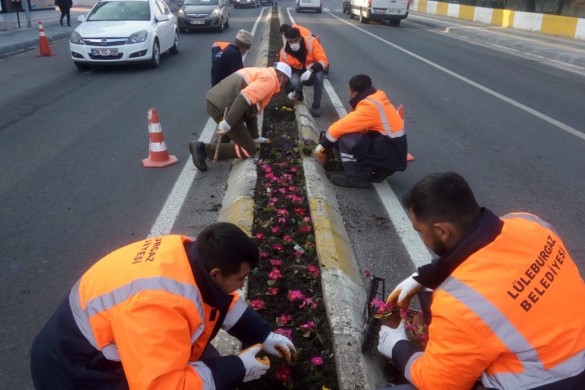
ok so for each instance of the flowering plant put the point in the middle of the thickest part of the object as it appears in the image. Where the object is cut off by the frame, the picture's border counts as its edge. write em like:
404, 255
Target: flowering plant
390, 314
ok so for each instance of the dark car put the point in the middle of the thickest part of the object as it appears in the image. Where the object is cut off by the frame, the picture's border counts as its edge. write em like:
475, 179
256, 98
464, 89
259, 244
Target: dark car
268, 2
246, 3
203, 14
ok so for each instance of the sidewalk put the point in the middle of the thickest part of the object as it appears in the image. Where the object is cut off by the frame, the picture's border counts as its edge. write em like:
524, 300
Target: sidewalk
14, 40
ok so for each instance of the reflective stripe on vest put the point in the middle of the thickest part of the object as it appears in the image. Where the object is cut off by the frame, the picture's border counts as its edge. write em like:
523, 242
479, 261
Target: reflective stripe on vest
534, 374
234, 314
384, 119
532, 218
243, 76
205, 375
121, 294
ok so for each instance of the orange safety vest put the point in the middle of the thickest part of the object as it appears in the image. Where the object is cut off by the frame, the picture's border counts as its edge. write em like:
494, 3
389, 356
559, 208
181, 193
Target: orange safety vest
305, 32
262, 84
510, 314
220, 45
140, 305
374, 112
315, 53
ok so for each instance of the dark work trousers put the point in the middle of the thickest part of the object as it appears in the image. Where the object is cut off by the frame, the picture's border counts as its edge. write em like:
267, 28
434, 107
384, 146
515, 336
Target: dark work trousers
316, 81
65, 11
351, 165
241, 138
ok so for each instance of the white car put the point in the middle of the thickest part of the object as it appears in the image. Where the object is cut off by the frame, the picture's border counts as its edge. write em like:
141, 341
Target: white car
121, 31
313, 5
394, 11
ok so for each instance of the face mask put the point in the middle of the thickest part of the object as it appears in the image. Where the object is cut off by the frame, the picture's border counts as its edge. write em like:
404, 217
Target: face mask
295, 46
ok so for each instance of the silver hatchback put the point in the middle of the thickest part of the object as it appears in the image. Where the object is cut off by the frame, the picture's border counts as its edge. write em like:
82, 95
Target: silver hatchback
203, 14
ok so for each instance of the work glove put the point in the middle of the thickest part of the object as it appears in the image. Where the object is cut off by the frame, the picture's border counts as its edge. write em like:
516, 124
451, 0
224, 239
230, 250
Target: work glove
279, 345
389, 337
292, 96
222, 128
306, 75
255, 367
404, 292
320, 154
262, 140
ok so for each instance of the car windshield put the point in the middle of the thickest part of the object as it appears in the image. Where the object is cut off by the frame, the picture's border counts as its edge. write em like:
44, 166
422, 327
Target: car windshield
120, 10
201, 2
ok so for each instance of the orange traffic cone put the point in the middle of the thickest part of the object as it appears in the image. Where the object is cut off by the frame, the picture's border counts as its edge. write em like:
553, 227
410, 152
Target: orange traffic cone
409, 157
44, 48
158, 156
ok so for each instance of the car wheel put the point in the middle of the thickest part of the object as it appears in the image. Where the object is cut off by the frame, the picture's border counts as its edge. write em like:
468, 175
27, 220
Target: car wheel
175, 48
220, 27
227, 23
155, 60
81, 65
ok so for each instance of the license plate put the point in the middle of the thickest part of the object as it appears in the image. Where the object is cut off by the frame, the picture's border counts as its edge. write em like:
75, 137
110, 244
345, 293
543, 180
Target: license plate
104, 52
394, 11
198, 22
379, 11
305, 1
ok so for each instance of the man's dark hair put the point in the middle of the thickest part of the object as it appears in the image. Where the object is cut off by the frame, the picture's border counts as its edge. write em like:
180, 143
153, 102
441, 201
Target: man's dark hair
225, 246
360, 82
292, 33
284, 27
443, 197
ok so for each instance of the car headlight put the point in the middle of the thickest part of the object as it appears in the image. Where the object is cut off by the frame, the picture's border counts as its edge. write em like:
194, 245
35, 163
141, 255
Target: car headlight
215, 12
181, 13
137, 37
76, 38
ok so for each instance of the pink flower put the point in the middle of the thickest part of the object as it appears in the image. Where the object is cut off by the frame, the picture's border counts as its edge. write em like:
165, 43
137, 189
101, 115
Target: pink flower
367, 273
263, 254
260, 236
311, 325
276, 262
282, 190
292, 188
275, 274
287, 238
257, 304
305, 229
282, 212
283, 374
300, 211
283, 319
294, 295
294, 169
317, 361
313, 270
278, 247
281, 220
297, 199
307, 220
309, 303
275, 230
272, 291
284, 332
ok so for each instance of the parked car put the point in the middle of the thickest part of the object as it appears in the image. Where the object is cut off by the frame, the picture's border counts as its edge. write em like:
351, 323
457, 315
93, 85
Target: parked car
246, 3
204, 14
394, 11
121, 31
268, 2
312, 5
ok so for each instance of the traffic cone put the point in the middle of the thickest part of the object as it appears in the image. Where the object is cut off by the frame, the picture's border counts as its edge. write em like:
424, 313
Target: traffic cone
44, 47
409, 157
158, 156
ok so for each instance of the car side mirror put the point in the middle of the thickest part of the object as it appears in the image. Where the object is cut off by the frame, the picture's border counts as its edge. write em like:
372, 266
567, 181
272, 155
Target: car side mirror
162, 18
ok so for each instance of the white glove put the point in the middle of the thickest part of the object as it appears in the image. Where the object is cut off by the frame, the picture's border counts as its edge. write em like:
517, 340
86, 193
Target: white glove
405, 290
292, 96
262, 140
279, 345
389, 337
320, 154
305, 76
255, 367
223, 127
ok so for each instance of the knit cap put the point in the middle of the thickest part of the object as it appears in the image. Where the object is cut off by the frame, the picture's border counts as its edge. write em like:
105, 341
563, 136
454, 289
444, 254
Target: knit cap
243, 39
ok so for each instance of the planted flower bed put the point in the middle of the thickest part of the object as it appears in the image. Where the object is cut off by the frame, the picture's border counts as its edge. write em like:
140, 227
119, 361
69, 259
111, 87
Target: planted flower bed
286, 287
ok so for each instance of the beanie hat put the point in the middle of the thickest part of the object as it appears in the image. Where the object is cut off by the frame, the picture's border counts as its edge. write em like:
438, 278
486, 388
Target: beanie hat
284, 68
243, 39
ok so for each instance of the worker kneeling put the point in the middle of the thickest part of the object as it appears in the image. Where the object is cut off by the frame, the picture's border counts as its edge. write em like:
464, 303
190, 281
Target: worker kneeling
370, 140
245, 93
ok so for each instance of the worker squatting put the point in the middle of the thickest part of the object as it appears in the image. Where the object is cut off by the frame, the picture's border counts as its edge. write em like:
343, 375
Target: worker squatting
148, 249
547, 267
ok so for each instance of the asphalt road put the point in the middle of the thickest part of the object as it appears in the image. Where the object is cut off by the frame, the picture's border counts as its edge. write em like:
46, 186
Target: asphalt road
73, 188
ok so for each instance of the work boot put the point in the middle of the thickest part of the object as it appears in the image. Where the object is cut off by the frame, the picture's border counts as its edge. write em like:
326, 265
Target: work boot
350, 181
315, 109
198, 154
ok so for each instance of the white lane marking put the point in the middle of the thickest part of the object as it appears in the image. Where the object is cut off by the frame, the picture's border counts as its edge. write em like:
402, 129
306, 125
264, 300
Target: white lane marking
168, 215
513, 102
418, 252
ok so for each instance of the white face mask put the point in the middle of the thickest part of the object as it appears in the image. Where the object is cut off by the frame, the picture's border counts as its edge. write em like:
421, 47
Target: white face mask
295, 46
